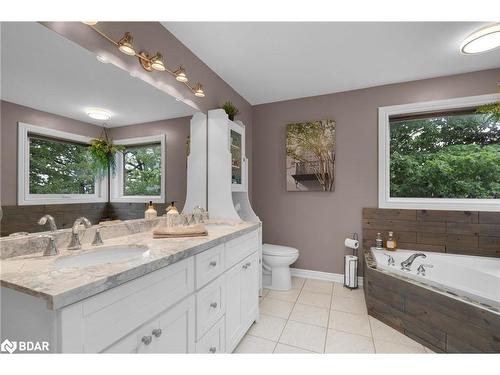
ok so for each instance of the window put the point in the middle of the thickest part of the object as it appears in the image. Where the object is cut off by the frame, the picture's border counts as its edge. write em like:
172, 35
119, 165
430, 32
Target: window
140, 171
439, 155
54, 168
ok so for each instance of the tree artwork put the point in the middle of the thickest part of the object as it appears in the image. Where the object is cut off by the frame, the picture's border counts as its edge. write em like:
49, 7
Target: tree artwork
310, 151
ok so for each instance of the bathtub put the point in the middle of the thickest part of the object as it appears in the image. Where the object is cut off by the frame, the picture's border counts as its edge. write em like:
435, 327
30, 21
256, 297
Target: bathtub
473, 277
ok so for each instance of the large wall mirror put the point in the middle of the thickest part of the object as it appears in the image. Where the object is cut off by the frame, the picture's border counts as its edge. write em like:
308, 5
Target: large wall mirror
56, 98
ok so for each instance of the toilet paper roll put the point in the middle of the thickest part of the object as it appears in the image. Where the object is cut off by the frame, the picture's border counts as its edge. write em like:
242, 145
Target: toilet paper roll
351, 244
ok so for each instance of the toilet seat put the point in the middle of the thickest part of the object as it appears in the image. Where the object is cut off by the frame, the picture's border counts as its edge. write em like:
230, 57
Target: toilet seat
278, 250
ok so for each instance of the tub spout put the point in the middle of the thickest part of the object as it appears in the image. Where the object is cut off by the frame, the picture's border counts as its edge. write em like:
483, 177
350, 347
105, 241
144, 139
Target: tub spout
406, 265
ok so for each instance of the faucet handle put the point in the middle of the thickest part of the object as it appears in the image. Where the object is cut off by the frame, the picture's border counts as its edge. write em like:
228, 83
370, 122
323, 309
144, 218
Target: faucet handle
422, 267
51, 248
390, 259
97, 237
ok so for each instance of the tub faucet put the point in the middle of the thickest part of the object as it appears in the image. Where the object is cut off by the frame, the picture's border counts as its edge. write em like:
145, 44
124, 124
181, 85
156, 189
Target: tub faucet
406, 265
48, 219
75, 237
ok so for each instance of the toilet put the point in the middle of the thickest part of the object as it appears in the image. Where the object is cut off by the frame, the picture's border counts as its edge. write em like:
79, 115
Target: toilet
276, 261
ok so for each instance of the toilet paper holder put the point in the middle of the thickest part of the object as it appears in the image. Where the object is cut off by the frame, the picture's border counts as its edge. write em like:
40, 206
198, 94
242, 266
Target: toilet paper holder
351, 267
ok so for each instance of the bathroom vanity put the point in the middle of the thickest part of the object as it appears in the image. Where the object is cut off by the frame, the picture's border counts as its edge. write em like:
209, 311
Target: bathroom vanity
185, 295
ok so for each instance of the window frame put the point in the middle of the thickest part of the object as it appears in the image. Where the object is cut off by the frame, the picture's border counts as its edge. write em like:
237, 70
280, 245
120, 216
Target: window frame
457, 204
116, 185
24, 197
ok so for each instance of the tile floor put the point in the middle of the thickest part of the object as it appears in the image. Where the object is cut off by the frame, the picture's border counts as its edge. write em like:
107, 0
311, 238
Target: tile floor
321, 317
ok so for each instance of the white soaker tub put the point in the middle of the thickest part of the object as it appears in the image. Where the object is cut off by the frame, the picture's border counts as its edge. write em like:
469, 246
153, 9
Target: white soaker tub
477, 278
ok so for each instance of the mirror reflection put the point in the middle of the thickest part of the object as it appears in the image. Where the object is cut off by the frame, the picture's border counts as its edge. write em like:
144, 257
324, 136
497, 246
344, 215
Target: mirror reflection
64, 110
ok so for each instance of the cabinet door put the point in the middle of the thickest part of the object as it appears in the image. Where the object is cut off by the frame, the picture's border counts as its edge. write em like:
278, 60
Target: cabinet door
250, 289
234, 315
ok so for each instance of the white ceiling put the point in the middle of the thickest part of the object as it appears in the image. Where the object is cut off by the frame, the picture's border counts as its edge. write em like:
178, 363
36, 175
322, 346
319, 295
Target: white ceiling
266, 62
45, 71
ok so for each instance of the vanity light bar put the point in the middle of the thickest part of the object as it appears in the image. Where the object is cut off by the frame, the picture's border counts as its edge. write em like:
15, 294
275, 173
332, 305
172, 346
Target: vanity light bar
148, 61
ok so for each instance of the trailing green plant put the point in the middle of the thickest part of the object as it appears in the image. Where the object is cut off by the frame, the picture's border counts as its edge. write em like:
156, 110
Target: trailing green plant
230, 109
102, 153
492, 110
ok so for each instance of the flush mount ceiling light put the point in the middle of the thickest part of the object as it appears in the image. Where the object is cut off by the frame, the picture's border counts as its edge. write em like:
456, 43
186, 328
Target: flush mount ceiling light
98, 114
90, 23
150, 62
482, 40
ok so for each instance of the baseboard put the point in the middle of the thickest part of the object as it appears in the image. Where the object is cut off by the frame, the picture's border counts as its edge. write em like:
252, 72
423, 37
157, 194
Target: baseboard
335, 277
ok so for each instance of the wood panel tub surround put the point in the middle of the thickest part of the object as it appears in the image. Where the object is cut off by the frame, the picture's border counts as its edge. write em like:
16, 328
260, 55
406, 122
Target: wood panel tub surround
454, 232
441, 322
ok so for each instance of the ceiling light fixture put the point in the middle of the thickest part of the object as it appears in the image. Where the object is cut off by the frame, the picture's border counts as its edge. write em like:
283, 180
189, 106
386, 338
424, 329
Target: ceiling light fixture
150, 62
98, 114
125, 44
90, 23
482, 40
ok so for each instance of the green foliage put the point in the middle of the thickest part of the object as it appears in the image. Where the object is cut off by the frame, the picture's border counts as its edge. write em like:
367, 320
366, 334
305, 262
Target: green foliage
446, 157
491, 110
230, 109
142, 170
102, 152
58, 167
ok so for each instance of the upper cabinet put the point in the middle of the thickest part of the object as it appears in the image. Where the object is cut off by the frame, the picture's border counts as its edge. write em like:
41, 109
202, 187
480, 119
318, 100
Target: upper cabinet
238, 159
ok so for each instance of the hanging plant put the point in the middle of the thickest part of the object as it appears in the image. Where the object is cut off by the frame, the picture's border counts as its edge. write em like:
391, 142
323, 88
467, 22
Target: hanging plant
491, 110
102, 153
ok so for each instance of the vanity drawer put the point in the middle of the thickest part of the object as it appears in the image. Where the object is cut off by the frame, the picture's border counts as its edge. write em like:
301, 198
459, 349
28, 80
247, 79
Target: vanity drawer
114, 313
210, 305
209, 264
214, 340
241, 247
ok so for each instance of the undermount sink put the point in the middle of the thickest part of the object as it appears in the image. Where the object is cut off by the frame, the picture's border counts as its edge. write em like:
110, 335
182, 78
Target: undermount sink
103, 255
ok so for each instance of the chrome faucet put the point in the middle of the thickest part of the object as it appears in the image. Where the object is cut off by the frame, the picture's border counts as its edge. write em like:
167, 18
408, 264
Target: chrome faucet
51, 248
406, 265
75, 237
48, 219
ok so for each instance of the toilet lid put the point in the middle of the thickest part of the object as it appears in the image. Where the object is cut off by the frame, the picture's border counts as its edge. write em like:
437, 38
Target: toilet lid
278, 250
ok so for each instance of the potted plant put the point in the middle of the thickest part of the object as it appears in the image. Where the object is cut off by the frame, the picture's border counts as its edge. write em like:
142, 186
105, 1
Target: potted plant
102, 153
230, 109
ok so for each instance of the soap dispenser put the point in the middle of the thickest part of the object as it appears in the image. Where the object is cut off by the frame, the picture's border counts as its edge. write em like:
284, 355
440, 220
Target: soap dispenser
150, 213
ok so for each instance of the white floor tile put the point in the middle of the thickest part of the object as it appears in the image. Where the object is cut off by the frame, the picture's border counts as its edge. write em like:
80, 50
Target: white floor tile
288, 295
314, 299
382, 332
350, 305
298, 282
382, 346
304, 336
317, 316
318, 286
252, 344
287, 349
343, 342
351, 323
276, 307
269, 327
340, 290
265, 292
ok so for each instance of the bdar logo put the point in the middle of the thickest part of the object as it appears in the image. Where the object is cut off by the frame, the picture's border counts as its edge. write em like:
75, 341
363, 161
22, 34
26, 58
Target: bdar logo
8, 346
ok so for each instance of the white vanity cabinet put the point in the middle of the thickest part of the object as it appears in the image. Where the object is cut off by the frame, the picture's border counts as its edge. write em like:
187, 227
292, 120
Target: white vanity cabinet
202, 304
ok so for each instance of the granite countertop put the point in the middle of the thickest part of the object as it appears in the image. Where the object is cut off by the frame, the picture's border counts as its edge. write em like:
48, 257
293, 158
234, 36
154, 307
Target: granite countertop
38, 275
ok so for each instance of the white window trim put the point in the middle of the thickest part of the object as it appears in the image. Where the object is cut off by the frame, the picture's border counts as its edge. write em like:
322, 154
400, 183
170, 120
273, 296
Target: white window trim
384, 199
23, 195
116, 186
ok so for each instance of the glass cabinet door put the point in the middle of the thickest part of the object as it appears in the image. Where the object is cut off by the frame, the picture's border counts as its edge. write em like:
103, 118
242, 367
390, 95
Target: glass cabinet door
236, 157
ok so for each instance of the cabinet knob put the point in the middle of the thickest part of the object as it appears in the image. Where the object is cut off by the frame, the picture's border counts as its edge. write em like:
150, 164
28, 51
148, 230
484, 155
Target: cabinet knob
213, 349
156, 332
213, 263
249, 264
213, 304
245, 266
146, 340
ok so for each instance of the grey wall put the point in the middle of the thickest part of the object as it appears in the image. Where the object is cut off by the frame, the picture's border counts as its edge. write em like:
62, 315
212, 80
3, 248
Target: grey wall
316, 222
